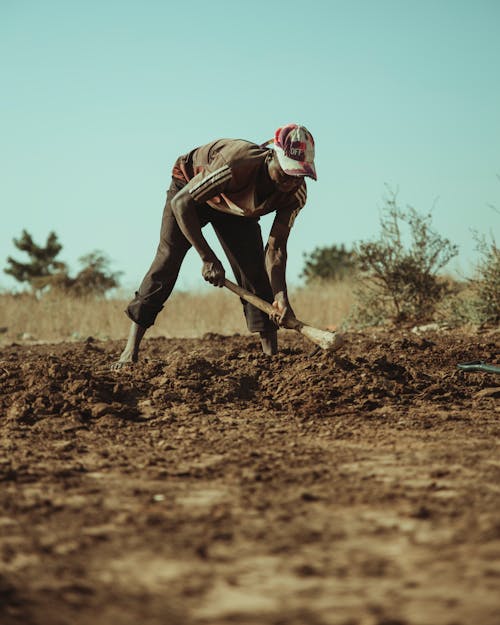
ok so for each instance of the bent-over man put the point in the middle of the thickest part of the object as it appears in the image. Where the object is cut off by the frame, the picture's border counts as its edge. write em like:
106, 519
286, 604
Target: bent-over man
230, 183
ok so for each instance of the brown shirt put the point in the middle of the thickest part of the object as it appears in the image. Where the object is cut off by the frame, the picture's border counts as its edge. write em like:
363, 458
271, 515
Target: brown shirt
230, 176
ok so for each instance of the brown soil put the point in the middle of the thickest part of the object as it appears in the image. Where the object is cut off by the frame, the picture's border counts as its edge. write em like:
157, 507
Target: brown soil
213, 485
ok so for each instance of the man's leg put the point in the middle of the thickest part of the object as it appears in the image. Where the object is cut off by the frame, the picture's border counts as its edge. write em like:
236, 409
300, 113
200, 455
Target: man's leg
269, 342
158, 282
131, 351
241, 239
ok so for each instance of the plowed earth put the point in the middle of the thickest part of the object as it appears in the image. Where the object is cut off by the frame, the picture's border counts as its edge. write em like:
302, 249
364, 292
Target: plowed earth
211, 485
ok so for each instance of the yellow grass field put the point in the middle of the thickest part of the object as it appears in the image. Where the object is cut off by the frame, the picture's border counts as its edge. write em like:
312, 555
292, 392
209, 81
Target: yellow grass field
186, 314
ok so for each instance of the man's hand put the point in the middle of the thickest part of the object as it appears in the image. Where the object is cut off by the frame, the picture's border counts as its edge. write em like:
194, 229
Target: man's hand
283, 310
213, 272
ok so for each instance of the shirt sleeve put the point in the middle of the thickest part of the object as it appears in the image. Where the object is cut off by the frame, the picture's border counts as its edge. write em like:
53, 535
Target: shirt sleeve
209, 182
290, 206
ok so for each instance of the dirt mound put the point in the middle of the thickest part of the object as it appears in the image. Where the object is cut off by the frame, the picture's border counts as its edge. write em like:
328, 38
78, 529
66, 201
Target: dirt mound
213, 484
373, 371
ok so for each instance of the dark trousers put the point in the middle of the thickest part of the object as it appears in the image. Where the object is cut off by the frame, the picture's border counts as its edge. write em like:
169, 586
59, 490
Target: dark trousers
241, 240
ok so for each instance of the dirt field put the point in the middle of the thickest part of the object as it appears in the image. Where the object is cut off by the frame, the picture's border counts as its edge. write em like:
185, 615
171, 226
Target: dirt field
214, 485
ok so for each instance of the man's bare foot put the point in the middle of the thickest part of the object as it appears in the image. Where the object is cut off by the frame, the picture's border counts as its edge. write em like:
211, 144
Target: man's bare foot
269, 342
130, 354
125, 360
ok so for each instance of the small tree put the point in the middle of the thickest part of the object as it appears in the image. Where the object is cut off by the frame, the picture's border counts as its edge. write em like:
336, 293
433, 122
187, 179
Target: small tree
45, 274
95, 278
328, 263
401, 281
42, 260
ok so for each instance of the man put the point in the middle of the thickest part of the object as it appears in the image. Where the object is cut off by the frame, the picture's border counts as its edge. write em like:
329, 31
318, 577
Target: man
230, 183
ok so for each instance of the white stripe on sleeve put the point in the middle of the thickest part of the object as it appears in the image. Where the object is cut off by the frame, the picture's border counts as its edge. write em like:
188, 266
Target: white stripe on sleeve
210, 185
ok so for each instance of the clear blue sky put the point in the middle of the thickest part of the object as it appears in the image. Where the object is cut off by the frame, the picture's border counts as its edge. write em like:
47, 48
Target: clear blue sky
99, 97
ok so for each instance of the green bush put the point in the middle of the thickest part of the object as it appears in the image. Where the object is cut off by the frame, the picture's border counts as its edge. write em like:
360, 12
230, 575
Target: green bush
486, 284
328, 264
400, 278
479, 301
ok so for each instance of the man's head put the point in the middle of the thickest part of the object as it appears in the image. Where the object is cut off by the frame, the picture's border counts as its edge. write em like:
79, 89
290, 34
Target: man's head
294, 147
284, 182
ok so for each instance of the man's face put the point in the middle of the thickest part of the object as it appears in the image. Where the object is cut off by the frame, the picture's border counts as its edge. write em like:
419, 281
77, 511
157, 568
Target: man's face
283, 182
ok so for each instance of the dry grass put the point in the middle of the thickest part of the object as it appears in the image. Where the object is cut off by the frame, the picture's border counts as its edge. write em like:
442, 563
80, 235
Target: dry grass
324, 306
54, 318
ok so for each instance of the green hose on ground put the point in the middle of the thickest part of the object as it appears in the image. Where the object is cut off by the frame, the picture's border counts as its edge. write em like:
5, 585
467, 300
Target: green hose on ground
478, 365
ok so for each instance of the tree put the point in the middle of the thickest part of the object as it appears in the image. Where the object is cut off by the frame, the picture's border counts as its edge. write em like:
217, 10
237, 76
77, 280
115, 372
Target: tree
45, 274
95, 278
328, 263
42, 261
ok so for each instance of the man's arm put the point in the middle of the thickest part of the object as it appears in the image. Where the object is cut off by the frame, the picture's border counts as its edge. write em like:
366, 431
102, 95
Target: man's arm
276, 257
184, 209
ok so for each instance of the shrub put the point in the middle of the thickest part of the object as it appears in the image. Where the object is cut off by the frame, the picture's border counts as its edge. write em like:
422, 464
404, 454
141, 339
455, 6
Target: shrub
486, 284
400, 281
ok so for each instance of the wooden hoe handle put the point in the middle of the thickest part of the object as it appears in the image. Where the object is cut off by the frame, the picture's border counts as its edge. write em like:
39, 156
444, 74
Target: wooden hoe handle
257, 301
